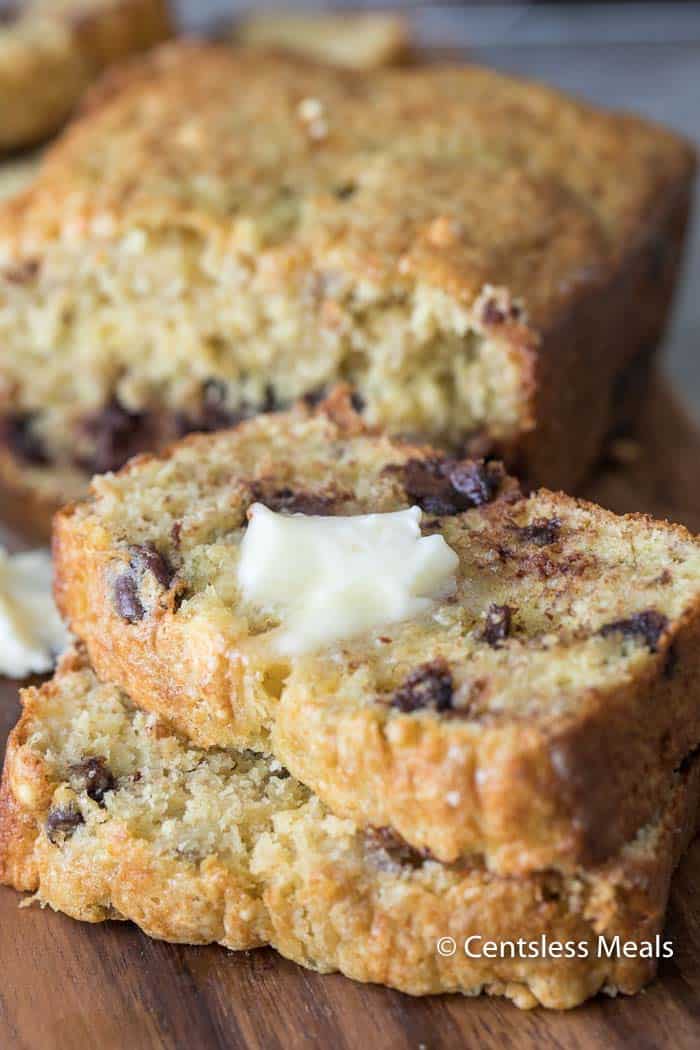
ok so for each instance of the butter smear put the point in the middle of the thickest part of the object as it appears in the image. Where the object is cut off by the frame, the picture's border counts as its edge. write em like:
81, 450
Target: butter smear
328, 579
31, 631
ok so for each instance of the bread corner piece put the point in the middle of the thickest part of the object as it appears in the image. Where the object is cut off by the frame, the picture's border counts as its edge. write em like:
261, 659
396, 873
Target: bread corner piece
458, 245
105, 813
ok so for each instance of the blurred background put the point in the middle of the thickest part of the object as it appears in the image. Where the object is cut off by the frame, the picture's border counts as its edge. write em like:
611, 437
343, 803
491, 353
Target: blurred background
641, 56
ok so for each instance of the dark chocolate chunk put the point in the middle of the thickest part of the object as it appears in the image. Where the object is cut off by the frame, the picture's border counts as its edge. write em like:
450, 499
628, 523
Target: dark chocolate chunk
477, 481
62, 821
428, 686
499, 620
214, 414
126, 598
118, 434
18, 433
494, 313
95, 777
345, 190
427, 485
648, 626
146, 558
446, 486
287, 501
358, 402
21, 272
314, 397
542, 532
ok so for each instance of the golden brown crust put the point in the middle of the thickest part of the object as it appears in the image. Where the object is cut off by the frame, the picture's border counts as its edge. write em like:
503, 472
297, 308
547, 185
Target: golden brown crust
516, 773
565, 165
313, 886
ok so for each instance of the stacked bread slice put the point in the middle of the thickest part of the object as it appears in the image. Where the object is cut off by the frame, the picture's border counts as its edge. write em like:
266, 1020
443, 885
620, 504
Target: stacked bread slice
490, 795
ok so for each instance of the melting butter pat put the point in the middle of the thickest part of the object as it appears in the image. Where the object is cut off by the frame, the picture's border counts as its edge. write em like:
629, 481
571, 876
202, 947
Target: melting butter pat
332, 578
31, 631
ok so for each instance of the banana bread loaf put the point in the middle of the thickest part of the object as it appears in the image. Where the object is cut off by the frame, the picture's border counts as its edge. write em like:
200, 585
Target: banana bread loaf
481, 257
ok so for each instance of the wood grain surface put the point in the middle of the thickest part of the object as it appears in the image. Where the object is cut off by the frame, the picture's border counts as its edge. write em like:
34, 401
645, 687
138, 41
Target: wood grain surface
71, 986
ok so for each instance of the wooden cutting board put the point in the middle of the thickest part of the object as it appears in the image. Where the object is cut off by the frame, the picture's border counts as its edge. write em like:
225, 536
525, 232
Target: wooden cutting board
70, 986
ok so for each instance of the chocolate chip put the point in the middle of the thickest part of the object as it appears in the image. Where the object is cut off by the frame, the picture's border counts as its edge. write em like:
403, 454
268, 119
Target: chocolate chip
18, 433
146, 558
94, 776
358, 402
495, 313
126, 598
22, 272
118, 434
345, 190
492, 313
446, 487
62, 821
426, 484
399, 851
477, 481
648, 626
498, 624
287, 501
312, 398
542, 532
428, 686
214, 414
